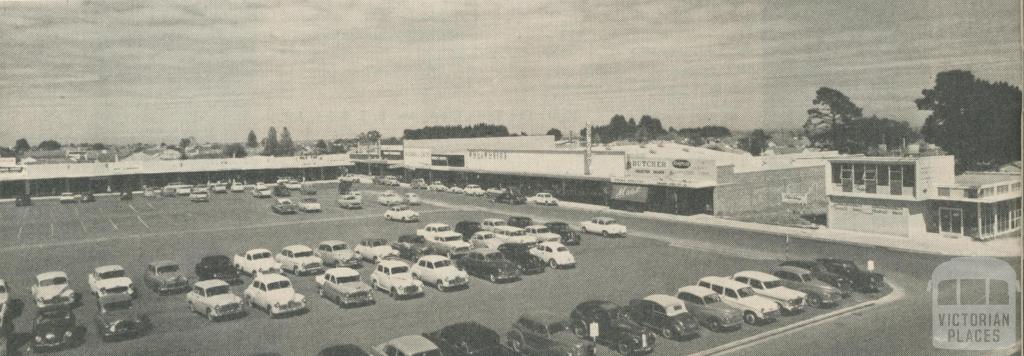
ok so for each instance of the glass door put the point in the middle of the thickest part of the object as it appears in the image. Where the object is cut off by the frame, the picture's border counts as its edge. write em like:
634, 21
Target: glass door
951, 220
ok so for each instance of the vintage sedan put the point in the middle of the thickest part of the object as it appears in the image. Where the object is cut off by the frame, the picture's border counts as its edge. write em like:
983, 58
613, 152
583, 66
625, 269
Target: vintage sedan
413, 199
274, 294
556, 254
819, 293
343, 350
343, 286
117, 320
521, 256
255, 261
520, 221
861, 281
374, 249
284, 206
199, 195
411, 247
393, 277
467, 339
213, 299
664, 314
336, 253
708, 308
756, 309
55, 328
769, 286
820, 273
615, 330
467, 228
350, 201
568, 236
401, 213
110, 279
603, 226
389, 198
53, 289
409, 345
542, 234
473, 190
544, 333
485, 239
440, 272
299, 260
455, 190
68, 198
310, 205
217, 267
489, 264
165, 277
261, 192
543, 199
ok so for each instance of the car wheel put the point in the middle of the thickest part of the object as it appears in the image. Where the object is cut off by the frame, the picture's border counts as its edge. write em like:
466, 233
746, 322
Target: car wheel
320, 291
580, 330
493, 278
271, 312
393, 293
750, 318
668, 333
715, 325
209, 315
553, 264
624, 348
584, 228
604, 233
440, 287
814, 300
517, 345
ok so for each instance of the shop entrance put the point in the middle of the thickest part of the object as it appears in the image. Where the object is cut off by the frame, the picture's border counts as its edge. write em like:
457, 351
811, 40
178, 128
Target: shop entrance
951, 221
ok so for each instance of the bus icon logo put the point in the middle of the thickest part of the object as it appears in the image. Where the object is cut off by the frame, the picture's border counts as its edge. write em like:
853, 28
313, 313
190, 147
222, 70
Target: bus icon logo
974, 303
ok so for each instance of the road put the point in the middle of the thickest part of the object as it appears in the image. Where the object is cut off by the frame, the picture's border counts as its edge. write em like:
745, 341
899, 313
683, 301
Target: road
661, 257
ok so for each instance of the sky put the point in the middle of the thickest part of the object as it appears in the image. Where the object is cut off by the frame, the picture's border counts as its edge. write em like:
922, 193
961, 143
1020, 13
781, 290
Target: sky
156, 71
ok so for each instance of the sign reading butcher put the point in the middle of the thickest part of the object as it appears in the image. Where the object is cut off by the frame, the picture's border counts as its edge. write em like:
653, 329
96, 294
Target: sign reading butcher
670, 171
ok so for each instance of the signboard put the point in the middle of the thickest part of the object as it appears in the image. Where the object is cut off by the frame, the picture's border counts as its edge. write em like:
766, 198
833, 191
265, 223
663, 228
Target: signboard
417, 157
673, 171
8, 161
629, 193
391, 155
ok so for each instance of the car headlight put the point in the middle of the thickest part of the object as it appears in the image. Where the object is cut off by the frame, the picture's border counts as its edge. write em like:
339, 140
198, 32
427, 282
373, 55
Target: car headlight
39, 338
112, 328
68, 333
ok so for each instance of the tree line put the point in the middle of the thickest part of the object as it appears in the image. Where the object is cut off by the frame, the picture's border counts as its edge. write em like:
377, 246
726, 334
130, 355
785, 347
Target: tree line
456, 131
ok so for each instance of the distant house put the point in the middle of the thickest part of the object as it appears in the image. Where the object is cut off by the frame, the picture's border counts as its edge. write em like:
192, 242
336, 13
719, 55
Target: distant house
154, 154
45, 156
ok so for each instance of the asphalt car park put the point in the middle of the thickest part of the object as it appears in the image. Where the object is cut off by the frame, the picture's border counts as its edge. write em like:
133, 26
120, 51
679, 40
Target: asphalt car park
75, 238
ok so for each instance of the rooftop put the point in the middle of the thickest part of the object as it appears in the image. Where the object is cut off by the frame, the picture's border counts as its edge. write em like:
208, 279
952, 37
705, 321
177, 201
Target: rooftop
979, 179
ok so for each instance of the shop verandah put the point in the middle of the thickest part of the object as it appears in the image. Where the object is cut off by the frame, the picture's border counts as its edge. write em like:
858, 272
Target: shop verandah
975, 219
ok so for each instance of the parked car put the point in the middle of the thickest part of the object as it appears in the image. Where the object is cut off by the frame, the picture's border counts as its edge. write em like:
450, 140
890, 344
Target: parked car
281, 191
603, 226
213, 299
455, 190
391, 181
87, 197
819, 293
52, 289
116, 319
440, 272
237, 187
543, 199
521, 256
413, 199
401, 213
542, 234
485, 239
374, 249
55, 328
708, 308
473, 190
411, 247
510, 197
441, 240
336, 253
494, 191
68, 198
219, 188
261, 193
389, 198
350, 201
861, 281
299, 260
467, 339
164, 277
409, 345
467, 228
520, 221
309, 205
556, 254
756, 309
293, 184
342, 350
665, 315
274, 294
23, 200
418, 183
437, 186
615, 330
544, 333
489, 264
393, 277
568, 236
343, 286
112, 279
199, 196
256, 261
820, 273
125, 196
490, 224
284, 206
308, 189
513, 235
217, 267
769, 286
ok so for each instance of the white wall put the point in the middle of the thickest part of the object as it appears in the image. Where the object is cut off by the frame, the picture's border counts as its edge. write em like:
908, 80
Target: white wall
604, 164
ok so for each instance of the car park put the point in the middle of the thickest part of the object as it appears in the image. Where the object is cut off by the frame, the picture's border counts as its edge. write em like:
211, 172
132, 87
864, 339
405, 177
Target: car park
861, 281
467, 339
513, 235
343, 286
473, 190
199, 195
217, 267
615, 330
665, 315
489, 264
401, 213
299, 260
55, 328
23, 200
164, 277
544, 333
542, 199
440, 272
756, 309
256, 261
542, 234
709, 309
521, 255
374, 249
413, 199
273, 293
116, 318
283, 206
309, 205
112, 279
467, 228
409, 345
603, 226
520, 221
393, 277
555, 254
68, 198
350, 201
485, 239
261, 192
389, 198
568, 236
213, 299
411, 247
510, 197
53, 289
819, 293
769, 286
336, 253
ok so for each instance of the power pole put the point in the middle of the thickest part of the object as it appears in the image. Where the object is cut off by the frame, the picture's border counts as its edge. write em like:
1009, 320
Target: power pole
588, 151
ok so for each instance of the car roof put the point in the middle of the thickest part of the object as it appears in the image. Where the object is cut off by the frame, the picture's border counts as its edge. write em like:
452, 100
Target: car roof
412, 344
494, 219
663, 299
114, 298
552, 244
270, 277
161, 263
507, 228
375, 239
724, 282
472, 332
298, 248
435, 225
333, 242
109, 268
257, 250
542, 316
761, 276
51, 275
486, 251
696, 290
537, 226
392, 263
209, 283
792, 269
433, 258
342, 272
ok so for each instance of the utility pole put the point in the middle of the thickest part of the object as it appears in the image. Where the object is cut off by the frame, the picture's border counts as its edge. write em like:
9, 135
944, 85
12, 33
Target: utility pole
588, 151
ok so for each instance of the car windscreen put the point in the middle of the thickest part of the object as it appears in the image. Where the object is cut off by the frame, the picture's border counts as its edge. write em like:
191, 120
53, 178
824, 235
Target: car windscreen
399, 269
261, 255
444, 228
772, 284
493, 256
442, 263
112, 274
218, 290
167, 269
484, 236
348, 279
339, 247
562, 249
449, 238
303, 254
278, 285
121, 305
53, 281
746, 292
712, 299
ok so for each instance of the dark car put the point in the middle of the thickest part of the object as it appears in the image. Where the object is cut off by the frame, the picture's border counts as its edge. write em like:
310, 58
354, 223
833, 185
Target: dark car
217, 267
489, 264
411, 247
55, 328
820, 273
125, 196
88, 197
569, 236
343, 350
615, 330
664, 314
520, 221
467, 338
116, 320
862, 281
467, 228
23, 200
510, 197
520, 255
281, 191
544, 333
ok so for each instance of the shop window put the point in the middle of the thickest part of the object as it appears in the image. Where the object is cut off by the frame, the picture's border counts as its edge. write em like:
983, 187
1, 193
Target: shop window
943, 192
1016, 187
1003, 216
883, 175
971, 193
837, 171
858, 174
908, 176
1003, 189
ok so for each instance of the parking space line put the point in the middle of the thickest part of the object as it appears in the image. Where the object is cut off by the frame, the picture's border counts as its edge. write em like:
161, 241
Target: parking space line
113, 224
19, 231
133, 209
150, 205
142, 221
51, 230
80, 222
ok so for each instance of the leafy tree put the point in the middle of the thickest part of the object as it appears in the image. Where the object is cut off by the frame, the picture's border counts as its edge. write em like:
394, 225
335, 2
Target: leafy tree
6, 152
756, 142
185, 142
391, 141
49, 145
98, 146
252, 141
286, 147
270, 145
321, 145
373, 136
863, 135
555, 132
977, 121
829, 118
456, 131
21, 145
235, 150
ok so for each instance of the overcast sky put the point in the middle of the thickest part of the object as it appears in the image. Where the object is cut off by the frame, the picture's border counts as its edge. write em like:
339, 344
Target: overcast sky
156, 71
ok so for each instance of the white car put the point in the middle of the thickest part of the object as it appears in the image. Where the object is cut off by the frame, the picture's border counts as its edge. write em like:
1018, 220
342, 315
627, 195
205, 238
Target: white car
485, 239
343, 286
769, 286
555, 254
490, 224
494, 191
237, 187
374, 249
292, 184
755, 308
347, 178
440, 272
110, 279
256, 261
351, 201
542, 199
261, 192
66, 198
474, 190
437, 187
52, 288
455, 190
309, 205
401, 213
273, 293
542, 233
299, 260
213, 299
219, 188
513, 235
443, 240
336, 253
261, 186
413, 199
389, 198
603, 226
393, 277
